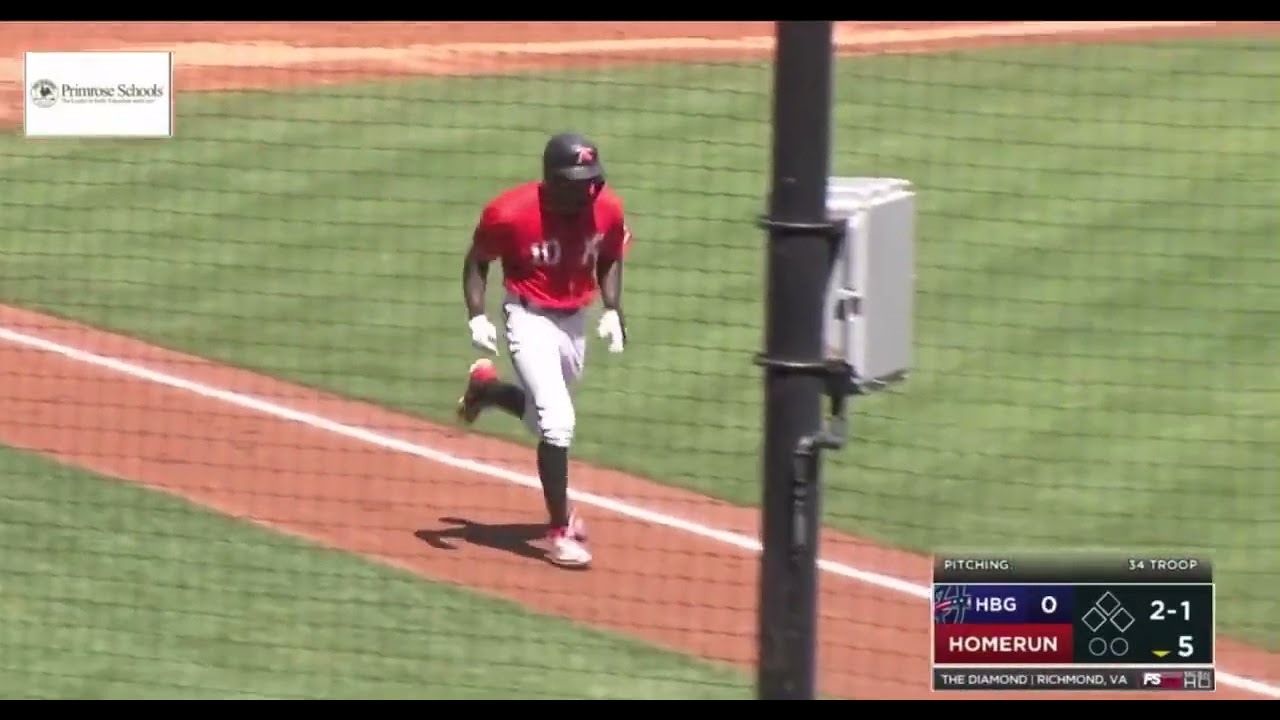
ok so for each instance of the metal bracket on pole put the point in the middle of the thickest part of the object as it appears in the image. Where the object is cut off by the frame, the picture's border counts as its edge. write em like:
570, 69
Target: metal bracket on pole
840, 377
841, 383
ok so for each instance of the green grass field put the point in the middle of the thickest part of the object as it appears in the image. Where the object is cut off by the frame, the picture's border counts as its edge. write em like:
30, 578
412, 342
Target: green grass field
1097, 262
111, 591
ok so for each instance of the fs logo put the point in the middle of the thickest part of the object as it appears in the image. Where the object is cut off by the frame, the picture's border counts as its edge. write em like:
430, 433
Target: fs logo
950, 603
1166, 680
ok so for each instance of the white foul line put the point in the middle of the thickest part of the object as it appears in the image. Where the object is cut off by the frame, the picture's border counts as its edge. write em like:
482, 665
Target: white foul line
370, 437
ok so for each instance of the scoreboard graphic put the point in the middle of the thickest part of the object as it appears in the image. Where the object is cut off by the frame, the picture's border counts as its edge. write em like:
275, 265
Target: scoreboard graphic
1073, 622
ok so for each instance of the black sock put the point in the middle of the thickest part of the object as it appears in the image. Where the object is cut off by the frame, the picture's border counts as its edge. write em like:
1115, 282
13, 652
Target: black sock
505, 396
553, 471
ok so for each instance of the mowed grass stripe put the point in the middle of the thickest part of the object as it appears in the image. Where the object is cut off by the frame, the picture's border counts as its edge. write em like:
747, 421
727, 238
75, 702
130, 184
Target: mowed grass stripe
115, 592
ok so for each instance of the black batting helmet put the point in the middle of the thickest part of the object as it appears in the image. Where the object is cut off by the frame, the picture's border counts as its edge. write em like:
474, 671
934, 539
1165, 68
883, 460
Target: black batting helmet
571, 156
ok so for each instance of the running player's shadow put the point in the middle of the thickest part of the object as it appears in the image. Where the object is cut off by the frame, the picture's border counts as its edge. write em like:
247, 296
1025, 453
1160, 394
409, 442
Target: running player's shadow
515, 538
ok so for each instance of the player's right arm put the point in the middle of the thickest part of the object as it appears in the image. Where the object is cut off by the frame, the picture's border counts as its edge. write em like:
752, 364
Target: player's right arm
475, 280
488, 242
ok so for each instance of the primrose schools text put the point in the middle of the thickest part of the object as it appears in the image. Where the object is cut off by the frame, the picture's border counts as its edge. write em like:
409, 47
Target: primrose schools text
123, 91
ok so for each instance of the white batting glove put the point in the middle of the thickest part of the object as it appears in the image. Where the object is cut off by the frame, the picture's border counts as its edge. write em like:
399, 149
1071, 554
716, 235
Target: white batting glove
483, 334
610, 328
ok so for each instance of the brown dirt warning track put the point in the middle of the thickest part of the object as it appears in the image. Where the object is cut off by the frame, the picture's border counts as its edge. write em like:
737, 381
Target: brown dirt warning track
672, 567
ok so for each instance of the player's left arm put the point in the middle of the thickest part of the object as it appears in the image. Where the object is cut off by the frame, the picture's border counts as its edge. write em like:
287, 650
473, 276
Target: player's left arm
609, 273
609, 276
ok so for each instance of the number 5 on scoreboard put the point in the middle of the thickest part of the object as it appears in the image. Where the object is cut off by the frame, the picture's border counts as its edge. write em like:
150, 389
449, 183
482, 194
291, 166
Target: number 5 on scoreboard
1185, 648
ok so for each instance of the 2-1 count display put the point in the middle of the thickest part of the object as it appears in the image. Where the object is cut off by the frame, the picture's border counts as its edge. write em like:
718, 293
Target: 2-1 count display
1160, 612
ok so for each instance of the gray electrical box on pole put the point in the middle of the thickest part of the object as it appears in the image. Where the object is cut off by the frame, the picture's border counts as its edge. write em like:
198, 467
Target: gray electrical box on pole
871, 294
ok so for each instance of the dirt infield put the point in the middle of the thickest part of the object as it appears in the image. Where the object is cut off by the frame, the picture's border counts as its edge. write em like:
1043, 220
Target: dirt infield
672, 567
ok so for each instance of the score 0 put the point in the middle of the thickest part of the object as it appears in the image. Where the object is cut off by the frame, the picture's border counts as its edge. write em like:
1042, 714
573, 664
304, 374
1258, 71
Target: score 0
1048, 604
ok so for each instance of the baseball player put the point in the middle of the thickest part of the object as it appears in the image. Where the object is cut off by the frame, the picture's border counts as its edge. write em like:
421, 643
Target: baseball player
561, 241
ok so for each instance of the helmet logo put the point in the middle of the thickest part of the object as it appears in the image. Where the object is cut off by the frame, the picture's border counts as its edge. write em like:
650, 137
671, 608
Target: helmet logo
585, 155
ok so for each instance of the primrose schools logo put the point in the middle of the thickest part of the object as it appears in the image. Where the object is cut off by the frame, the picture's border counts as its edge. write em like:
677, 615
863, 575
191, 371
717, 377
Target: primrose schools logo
47, 93
98, 93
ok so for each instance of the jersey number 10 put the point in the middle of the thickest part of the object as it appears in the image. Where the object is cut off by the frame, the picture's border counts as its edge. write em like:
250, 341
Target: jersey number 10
546, 252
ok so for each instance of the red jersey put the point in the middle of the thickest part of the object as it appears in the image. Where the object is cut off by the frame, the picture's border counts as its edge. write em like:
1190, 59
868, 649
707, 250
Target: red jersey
548, 259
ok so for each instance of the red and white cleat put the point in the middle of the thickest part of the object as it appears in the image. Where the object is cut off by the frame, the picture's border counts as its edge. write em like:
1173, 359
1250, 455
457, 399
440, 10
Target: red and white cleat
567, 551
569, 544
481, 373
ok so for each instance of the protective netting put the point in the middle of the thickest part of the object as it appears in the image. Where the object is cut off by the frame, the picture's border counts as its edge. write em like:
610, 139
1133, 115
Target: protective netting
1095, 355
